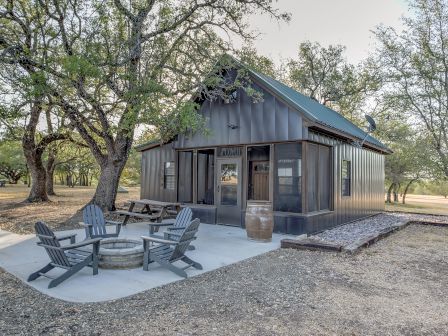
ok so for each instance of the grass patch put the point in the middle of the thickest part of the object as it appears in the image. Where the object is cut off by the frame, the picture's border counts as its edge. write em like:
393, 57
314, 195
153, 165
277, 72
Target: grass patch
429, 205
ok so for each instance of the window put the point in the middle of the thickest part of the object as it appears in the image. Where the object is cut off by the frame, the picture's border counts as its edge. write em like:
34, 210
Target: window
169, 176
288, 177
346, 173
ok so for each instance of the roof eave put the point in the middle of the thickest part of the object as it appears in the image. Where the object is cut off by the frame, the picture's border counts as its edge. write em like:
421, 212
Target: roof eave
349, 136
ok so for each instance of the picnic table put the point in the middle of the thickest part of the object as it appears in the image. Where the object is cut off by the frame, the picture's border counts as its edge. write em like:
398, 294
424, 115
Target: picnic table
153, 211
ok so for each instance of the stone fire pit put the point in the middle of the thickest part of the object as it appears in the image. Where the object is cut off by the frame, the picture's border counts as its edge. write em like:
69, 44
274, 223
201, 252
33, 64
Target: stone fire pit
120, 253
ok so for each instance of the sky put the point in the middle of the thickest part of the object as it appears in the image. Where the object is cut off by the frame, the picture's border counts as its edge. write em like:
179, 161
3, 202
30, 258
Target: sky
346, 22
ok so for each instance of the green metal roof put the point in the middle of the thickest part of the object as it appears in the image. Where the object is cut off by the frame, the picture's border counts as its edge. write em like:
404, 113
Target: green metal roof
315, 111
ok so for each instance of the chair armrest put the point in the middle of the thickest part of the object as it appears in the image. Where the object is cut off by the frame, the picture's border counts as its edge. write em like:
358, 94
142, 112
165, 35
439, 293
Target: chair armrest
70, 236
161, 241
174, 234
84, 224
83, 243
176, 228
160, 224
109, 222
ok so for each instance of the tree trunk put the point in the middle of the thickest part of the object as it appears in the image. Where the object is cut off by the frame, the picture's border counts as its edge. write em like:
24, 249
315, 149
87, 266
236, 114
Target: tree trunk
33, 155
106, 190
38, 192
51, 165
396, 189
406, 190
14, 179
389, 192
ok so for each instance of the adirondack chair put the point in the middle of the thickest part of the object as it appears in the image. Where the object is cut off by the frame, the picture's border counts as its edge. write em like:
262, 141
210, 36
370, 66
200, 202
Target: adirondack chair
183, 218
169, 251
174, 231
95, 224
69, 257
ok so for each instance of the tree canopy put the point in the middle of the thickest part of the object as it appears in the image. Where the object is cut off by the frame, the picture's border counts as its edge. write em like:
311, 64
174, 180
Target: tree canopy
110, 66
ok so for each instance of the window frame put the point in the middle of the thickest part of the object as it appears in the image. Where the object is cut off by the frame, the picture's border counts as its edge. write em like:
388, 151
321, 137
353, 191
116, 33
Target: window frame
172, 175
347, 178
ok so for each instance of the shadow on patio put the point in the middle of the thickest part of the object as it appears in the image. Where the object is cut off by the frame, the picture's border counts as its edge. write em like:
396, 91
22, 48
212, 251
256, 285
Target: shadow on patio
216, 246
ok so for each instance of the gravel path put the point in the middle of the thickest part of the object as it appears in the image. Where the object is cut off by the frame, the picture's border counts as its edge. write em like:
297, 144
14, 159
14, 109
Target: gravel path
349, 233
396, 287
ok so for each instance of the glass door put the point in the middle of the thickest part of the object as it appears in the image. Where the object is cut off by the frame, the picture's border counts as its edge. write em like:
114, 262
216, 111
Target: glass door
229, 191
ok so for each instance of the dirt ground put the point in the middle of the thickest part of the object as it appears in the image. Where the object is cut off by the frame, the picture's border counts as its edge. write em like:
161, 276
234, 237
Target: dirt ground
61, 213
396, 287
427, 204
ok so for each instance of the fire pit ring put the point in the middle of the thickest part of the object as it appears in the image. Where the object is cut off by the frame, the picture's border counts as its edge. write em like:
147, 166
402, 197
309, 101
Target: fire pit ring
120, 253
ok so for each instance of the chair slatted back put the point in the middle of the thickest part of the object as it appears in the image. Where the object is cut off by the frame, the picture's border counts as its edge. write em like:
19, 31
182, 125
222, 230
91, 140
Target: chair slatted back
92, 214
47, 237
183, 218
188, 235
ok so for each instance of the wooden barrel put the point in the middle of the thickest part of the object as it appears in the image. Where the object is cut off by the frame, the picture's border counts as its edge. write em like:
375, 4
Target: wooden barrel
259, 220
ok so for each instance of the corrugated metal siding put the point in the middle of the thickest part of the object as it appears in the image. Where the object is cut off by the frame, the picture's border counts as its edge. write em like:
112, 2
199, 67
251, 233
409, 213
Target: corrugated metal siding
367, 191
367, 180
152, 174
367, 197
268, 121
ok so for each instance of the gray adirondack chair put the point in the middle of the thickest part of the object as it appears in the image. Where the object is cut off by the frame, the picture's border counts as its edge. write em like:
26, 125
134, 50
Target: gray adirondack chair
183, 218
95, 224
169, 251
69, 257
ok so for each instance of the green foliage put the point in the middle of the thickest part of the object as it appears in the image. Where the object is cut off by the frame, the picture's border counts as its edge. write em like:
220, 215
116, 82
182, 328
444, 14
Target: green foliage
324, 75
132, 171
431, 187
79, 66
249, 56
413, 64
75, 165
12, 161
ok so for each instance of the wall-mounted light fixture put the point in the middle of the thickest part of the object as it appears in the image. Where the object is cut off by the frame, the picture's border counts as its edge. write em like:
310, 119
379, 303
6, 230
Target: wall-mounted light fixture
232, 126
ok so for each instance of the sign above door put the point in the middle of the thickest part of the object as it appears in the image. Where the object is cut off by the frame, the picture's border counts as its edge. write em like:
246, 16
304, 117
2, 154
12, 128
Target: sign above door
229, 151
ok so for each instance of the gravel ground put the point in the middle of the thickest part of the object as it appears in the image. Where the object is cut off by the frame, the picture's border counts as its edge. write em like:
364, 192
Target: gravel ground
348, 233
396, 287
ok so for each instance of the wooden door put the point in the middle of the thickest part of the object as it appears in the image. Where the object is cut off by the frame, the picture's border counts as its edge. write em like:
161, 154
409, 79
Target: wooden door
260, 180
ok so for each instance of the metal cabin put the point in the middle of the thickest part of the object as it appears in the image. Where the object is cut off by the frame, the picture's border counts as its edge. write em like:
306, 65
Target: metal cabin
287, 149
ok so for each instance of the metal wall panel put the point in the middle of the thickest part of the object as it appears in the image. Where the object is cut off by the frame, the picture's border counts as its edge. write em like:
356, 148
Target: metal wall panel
257, 125
367, 185
152, 174
256, 122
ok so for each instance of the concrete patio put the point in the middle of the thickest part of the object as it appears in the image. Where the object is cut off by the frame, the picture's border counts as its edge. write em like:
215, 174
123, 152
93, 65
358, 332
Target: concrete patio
216, 246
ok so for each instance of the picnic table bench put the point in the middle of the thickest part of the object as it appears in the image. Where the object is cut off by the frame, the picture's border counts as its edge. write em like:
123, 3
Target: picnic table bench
154, 211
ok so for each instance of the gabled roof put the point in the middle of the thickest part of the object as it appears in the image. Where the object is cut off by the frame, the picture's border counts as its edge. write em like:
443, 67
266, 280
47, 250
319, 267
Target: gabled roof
313, 110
